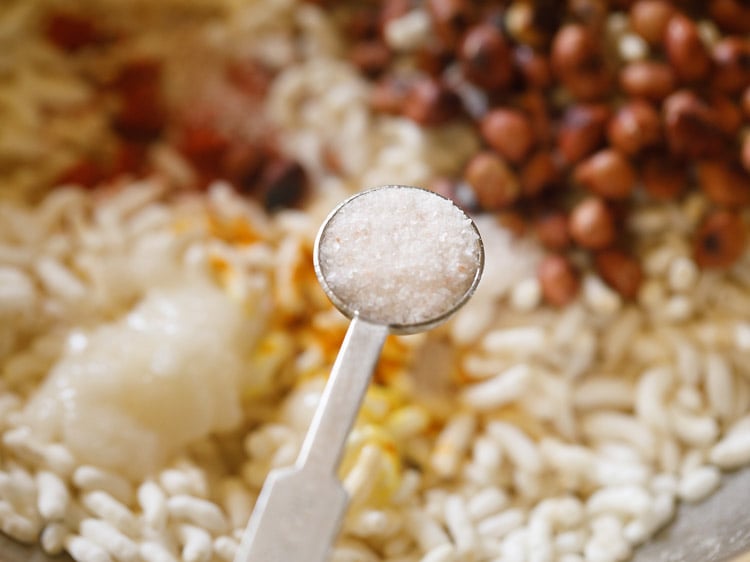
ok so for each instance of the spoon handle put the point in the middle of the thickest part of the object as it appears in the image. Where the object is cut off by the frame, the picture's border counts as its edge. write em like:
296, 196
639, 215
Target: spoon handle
299, 510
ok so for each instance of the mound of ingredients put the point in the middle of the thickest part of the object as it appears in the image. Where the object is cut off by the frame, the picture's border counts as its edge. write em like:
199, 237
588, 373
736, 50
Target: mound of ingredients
164, 168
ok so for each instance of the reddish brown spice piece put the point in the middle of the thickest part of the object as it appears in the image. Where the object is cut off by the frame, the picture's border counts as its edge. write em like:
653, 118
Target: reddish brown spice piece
493, 181
486, 57
592, 224
620, 271
141, 116
685, 49
720, 240
72, 32
607, 173
509, 132
558, 279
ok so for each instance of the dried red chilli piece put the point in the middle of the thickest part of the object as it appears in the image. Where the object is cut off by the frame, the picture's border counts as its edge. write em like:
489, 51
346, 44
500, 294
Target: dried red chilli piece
619, 270
85, 173
720, 240
129, 159
72, 32
204, 147
142, 115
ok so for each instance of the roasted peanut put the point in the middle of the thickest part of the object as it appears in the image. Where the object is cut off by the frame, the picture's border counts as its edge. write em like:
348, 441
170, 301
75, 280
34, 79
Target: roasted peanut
607, 173
389, 94
620, 271
692, 128
429, 102
732, 15
552, 230
581, 131
731, 58
541, 171
649, 19
634, 126
685, 49
720, 240
509, 132
592, 224
648, 79
450, 18
493, 181
486, 57
534, 67
724, 182
578, 62
558, 279
371, 57
663, 177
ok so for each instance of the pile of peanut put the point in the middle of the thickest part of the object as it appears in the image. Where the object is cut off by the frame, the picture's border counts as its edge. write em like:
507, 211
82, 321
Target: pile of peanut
585, 108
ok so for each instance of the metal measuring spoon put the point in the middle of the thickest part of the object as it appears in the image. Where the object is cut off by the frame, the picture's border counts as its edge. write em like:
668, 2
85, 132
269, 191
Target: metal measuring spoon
375, 241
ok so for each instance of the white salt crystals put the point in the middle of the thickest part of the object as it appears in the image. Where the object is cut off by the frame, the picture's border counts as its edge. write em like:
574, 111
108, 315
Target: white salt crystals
399, 256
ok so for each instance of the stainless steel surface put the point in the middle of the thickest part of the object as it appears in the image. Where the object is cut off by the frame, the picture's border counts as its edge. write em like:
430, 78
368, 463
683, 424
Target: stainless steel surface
715, 530
299, 511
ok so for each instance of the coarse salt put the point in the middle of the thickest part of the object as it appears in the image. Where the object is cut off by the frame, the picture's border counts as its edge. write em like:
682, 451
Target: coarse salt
399, 256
